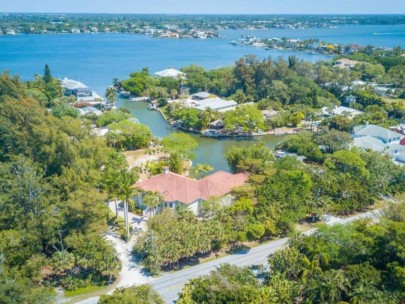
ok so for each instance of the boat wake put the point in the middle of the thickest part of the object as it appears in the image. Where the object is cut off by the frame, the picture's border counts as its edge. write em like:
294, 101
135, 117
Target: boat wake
397, 33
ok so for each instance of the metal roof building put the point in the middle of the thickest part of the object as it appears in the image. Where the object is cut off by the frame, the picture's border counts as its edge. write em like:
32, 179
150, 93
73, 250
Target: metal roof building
71, 84
385, 135
216, 104
172, 73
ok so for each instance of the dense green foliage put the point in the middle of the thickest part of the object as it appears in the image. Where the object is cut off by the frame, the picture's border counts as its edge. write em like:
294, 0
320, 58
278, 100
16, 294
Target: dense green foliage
281, 193
52, 215
356, 263
128, 135
189, 117
64, 110
179, 146
46, 90
303, 144
250, 158
138, 82
175, 237
248, 117
110, 117
382, 65
228, 284
143, 294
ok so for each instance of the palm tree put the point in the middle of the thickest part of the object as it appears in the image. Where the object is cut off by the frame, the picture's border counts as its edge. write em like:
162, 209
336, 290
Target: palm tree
152, 200
173, 93
313, 267
116, 82
111, 174
327, 287
126, 192
200, 171
110, 182
110, 95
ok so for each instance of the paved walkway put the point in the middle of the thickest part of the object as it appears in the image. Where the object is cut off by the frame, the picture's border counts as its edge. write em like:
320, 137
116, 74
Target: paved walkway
131, 272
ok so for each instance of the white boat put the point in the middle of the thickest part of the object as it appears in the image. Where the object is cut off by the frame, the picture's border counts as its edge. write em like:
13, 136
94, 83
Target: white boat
139, 99
210, 133
152, 107
280, 153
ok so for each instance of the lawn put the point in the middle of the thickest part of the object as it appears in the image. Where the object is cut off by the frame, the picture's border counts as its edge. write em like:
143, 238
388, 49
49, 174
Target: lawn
394, 100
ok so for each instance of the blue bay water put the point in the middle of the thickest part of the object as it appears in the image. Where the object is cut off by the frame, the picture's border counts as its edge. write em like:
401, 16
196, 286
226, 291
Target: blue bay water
97, 58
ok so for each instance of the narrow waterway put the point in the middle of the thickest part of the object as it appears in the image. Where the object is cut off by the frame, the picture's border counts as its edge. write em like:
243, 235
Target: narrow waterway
210, 150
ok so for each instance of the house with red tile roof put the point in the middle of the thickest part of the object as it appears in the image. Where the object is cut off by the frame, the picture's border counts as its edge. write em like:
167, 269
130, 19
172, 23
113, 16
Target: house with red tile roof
180, 190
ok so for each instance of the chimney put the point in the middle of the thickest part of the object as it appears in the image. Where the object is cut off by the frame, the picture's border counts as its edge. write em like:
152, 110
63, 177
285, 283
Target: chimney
165, 170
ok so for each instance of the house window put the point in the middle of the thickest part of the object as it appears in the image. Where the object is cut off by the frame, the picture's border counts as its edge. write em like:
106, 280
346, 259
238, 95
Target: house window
171, 205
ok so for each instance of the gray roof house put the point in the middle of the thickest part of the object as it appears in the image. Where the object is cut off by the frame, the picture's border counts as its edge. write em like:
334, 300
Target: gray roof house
345, 111
80, 90
369, 143
397, 152
385, 135
201, 95
217, 104
379, 139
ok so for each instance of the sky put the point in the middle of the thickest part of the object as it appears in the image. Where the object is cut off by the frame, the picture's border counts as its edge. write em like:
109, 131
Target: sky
207, 6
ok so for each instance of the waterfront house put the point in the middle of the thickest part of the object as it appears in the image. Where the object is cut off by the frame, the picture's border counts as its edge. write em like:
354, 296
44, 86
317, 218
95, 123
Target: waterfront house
80, 91
72, 87
171, 73
178, 190
10, 31
216, 104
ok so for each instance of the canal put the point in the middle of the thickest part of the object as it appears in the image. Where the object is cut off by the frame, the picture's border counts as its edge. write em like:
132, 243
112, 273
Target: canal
210, 150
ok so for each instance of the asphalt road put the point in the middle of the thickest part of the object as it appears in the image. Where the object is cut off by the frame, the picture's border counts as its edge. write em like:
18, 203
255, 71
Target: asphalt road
169, 285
